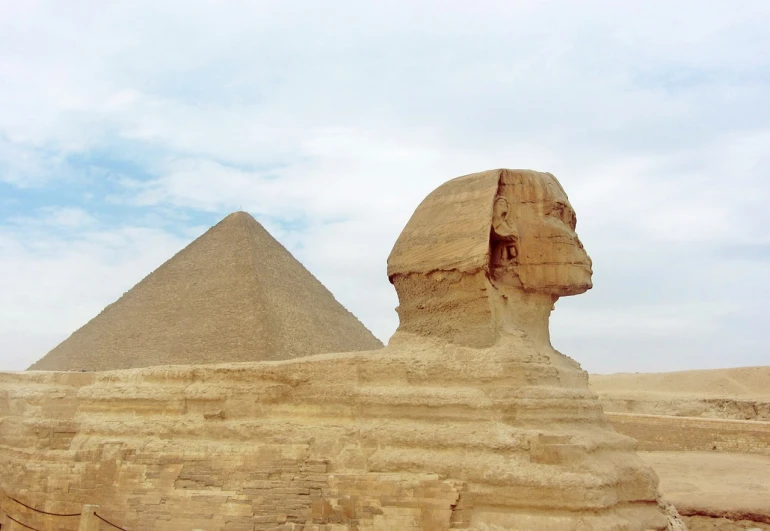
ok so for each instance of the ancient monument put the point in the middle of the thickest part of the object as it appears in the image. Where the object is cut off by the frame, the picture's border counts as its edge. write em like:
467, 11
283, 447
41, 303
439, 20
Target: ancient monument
488, 254
468, 419
234, 294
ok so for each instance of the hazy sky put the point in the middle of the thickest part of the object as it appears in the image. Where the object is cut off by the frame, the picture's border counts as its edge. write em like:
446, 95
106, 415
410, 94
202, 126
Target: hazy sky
127, 130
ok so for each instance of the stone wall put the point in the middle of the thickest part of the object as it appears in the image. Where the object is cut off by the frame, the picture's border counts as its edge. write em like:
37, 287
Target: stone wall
663, 433
424, 439
179, 455
231, 487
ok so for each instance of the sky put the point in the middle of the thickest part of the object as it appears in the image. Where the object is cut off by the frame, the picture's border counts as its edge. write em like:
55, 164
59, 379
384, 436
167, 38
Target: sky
127, 129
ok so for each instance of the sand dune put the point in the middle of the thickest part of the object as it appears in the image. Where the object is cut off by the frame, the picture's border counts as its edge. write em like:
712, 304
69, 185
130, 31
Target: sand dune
737, 393
735, 382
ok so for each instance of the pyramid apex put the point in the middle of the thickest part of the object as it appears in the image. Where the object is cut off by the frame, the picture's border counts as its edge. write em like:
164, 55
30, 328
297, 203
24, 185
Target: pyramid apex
239, 215
239, 218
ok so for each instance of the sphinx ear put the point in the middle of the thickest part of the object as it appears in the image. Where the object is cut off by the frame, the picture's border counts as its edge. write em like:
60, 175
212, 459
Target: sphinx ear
503, 227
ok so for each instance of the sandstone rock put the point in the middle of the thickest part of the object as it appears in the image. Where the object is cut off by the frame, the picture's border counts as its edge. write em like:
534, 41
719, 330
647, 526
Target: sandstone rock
468, 419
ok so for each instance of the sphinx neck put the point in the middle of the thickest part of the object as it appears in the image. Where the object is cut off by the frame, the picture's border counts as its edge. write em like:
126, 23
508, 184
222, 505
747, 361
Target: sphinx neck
471, 309
518, 311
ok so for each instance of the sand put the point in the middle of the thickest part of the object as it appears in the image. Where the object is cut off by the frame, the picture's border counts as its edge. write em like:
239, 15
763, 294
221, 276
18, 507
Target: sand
715, 491
741, 393
748, 382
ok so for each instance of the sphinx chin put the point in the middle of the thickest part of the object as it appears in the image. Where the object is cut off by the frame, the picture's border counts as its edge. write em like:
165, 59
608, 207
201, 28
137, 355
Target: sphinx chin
575, 289
579, 282
578, 278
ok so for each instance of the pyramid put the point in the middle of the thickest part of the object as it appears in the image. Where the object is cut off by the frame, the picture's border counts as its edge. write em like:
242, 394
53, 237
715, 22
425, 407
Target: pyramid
234, 294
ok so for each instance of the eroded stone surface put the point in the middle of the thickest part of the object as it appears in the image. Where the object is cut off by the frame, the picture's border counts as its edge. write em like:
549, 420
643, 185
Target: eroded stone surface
468, 419
487, 254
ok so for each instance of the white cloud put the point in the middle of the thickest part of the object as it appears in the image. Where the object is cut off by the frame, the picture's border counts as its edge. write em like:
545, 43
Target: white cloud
331, 122
55, 217
666, 321
54, 282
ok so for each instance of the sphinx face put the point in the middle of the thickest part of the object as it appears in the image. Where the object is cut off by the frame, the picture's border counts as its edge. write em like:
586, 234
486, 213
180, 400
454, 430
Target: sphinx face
533, 241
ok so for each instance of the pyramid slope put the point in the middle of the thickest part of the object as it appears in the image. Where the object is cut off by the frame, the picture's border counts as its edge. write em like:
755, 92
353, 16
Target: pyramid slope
234, 294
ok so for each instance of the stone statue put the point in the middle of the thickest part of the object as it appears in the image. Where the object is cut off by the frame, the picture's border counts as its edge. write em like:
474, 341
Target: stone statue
478, 269
507, 233
533, 244
467, 420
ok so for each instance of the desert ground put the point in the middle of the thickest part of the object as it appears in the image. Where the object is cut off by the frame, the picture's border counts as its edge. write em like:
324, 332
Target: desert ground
722, 488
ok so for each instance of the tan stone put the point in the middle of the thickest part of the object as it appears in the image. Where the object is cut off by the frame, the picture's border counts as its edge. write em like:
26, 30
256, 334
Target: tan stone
88, 519
234, 294
468, 419
487, 254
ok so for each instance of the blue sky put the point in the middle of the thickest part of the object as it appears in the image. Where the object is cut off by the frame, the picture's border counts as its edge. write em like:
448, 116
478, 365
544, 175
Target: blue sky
127, 130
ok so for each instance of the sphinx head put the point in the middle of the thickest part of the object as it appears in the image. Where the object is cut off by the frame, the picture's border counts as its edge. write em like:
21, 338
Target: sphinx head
481, 248
533, 244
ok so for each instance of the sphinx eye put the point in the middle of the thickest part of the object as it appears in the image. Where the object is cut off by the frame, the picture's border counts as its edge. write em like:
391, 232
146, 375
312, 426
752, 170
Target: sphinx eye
566, 216
557, 211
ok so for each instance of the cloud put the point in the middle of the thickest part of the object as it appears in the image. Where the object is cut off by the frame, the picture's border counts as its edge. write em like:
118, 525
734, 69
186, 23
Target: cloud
66, 218
60, 268
126, 130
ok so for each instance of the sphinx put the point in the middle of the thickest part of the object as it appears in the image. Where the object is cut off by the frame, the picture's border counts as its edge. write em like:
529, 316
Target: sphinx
488, 253
467, 419
478, 269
